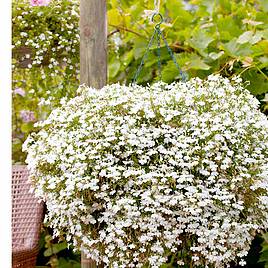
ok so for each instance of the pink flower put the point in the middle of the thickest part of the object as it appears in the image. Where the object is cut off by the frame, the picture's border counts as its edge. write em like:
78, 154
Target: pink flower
27, 116
39, 2
19, 91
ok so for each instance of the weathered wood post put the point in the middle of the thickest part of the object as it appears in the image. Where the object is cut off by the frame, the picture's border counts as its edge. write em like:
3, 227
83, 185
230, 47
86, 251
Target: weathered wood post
93, 43
93, 56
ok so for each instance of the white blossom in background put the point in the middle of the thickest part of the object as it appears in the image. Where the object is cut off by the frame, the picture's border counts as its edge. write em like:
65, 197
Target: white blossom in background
133, 174
44, 39
116, 39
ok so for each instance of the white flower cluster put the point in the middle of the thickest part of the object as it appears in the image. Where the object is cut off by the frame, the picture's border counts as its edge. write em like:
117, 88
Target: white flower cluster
135, 175
50, 32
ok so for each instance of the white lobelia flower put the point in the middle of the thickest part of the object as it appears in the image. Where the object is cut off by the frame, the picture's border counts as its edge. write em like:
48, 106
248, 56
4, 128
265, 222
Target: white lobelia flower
130, 173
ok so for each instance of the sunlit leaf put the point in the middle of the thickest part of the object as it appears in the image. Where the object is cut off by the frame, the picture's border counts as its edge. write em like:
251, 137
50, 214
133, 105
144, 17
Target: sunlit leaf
227, 27
235, 49
26, 127
250, 37
139, 48
114, 68
127, 58
215, 56
258, 82
200, 40
114, 17
170, 72
245, 37
195, 62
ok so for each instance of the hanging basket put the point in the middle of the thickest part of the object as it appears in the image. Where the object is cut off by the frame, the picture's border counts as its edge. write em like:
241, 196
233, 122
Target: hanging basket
137, 176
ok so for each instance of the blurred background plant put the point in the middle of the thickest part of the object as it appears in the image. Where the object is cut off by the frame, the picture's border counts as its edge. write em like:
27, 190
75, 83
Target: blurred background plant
229, 37
264, 251
55, 253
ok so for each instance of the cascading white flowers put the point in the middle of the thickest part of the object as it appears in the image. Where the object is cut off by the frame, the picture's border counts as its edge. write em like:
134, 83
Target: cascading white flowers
140, 176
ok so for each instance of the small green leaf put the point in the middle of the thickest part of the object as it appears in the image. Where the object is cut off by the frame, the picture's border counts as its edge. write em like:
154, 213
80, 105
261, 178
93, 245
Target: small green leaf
264, 257
16, 144
114, 68
228, 28
48, 252
226, 5
127, 58
200, 40
175, 7
260, 49
114, 17
256, 37
258, 82
55, 248
170, 72
152, 57
264, 248
139, 48
245, 37
196, 62
234, 49
208, 4
215, 56
250, 37
26, 127
144, 76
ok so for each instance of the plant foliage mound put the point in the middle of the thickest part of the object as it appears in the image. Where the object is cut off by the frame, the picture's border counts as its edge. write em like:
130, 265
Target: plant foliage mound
141, 176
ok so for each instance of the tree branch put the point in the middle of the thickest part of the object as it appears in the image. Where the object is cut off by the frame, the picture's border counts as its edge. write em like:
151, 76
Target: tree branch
121, 28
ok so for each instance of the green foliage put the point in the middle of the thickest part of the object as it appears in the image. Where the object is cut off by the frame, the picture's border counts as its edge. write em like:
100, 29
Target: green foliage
264, 251
227, 37
40, 97
45, 62
55, 254
55, 248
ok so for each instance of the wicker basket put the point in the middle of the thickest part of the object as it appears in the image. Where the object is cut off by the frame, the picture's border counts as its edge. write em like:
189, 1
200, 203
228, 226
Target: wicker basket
27, 216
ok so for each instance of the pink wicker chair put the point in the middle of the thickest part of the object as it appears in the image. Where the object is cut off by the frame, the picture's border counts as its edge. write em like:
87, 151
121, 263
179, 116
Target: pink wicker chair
27, 216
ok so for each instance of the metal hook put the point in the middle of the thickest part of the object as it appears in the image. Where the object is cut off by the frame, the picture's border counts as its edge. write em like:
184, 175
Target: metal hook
157, 25
159, 34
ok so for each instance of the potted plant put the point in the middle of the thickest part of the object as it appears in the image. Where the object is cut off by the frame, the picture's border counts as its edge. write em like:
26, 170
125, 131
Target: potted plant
141, 176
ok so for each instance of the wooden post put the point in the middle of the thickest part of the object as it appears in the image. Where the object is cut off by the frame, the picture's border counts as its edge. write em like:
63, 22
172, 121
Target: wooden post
93, 43
93, 56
